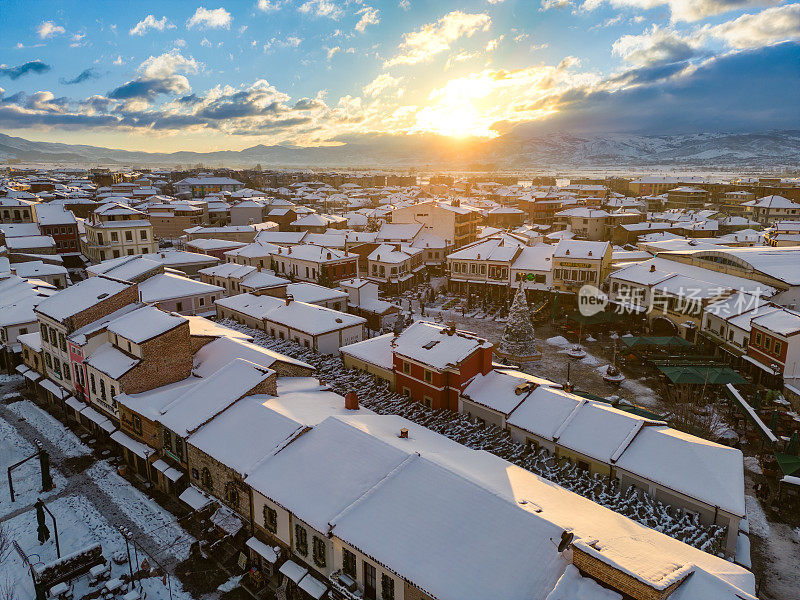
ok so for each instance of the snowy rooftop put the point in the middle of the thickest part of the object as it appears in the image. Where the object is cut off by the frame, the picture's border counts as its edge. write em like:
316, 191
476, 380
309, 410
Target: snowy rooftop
145, 323
431, 345
535, 258
783, 322
215, 355
245, 434
501, 249
37, 268
111, 361
312, 293
376, 351
579, 249
210, 396
304, 399
79, 297
496, 389
166, 286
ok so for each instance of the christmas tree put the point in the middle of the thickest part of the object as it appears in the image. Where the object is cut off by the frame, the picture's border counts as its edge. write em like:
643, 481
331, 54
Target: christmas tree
518, 342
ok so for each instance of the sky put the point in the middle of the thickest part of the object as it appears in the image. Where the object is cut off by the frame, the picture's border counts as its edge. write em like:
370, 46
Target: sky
169, 76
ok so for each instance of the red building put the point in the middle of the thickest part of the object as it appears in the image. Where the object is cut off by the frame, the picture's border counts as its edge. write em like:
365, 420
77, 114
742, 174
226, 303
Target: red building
60, 224
433, 364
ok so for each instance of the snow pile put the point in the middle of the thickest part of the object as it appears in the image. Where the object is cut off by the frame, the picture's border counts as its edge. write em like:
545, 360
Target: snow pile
559, 341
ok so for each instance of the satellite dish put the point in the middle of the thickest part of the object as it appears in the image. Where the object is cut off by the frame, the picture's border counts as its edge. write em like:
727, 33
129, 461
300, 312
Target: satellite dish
566, 540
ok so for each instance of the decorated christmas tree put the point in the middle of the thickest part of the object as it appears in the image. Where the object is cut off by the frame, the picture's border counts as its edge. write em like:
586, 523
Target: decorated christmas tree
518, 342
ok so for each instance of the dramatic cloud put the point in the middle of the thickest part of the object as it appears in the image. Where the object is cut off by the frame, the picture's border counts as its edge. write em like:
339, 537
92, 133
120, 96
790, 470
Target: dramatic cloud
48, 29
151, 23
321, 8
84, 75
777, 24
654, 46
205, 18
433, 38
32, 66
158, 75
369, 16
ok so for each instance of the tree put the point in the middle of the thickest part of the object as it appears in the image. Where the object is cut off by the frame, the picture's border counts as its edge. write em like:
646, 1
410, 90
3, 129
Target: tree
518, 339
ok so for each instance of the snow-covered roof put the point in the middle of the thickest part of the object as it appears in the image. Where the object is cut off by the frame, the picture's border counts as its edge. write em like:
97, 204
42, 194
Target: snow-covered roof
166, 286
377, 350
313, 293
245, 434
399, 231
145, 323
500, 249
535, 258
211, 395
338, 463
36, 268
214, 244
110, 360
497, 389
580, 249
215, 355
77, 298
430, 344
304, 399
784, 322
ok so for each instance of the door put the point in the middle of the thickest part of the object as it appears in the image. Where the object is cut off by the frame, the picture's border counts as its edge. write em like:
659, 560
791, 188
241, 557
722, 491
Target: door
370, 583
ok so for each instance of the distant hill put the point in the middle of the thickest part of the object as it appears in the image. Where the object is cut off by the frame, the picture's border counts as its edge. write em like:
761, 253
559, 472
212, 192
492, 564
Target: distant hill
519, 149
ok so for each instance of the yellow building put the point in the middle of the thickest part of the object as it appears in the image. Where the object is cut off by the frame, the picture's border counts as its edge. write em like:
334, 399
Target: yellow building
116, 230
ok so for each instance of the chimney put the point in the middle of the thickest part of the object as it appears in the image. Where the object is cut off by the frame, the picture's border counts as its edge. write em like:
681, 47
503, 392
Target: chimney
289, 298
329, 256
351, 401
451, 328
652, 268
404, 433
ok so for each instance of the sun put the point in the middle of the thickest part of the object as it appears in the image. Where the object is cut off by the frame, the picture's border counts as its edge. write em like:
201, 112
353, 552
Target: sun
457, 121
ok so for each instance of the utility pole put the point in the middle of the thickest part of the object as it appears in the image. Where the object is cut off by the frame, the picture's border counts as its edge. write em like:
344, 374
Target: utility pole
44, 533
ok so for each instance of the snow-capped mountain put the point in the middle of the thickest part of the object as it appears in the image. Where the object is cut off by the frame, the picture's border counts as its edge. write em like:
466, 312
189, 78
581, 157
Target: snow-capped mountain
519, 149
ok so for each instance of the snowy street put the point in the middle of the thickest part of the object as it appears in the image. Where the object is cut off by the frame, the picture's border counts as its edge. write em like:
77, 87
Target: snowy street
90, 502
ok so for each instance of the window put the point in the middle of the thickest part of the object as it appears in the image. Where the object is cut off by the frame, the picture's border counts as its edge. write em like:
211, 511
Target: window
205, 476
427, 401
91, 383
387, 587
348, 563
136, 425
114, 236
167, 438
195, 474
758, 339
301, 540
232, 494
179, 306
406, 392
67, 372
406, 368
369, 581
102, 389
128, 236
428, 376
270, 519
202, 301
143, 234
777, 348
319, 552
767, 343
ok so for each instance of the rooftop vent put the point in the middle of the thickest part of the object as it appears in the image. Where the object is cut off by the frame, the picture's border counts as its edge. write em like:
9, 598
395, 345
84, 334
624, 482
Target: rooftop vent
404, 433
567, 252
351, 401
289, 298
652, 268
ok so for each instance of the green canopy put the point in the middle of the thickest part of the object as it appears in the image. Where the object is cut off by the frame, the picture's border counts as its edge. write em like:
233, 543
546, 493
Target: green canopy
701, 374
623, 406
790, 465
673, 340
601, 317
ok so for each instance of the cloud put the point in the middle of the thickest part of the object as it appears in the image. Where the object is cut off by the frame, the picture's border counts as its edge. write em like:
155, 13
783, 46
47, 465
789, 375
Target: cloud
654, 46
769, 26
492, 45
204, 18
369, 16
684, 10
383, 83
151, 23
84, 75
158, 75
550, 4
32, 66
47, 29
269, 5
321, 8
289, 42
404, 4
433, 38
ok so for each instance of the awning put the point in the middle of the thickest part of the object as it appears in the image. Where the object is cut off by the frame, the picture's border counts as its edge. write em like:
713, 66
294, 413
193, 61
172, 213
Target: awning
264, 551
32, 375
22, 369
701, 374
98, 419
75, 404
759, 364
54, 388
313, 587
666, 341
293, 571
790, 480
789, 464
138, 448
227, 520
170, 473
195, 498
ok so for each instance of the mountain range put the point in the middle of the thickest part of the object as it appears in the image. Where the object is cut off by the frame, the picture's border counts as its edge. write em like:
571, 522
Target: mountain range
519, 149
